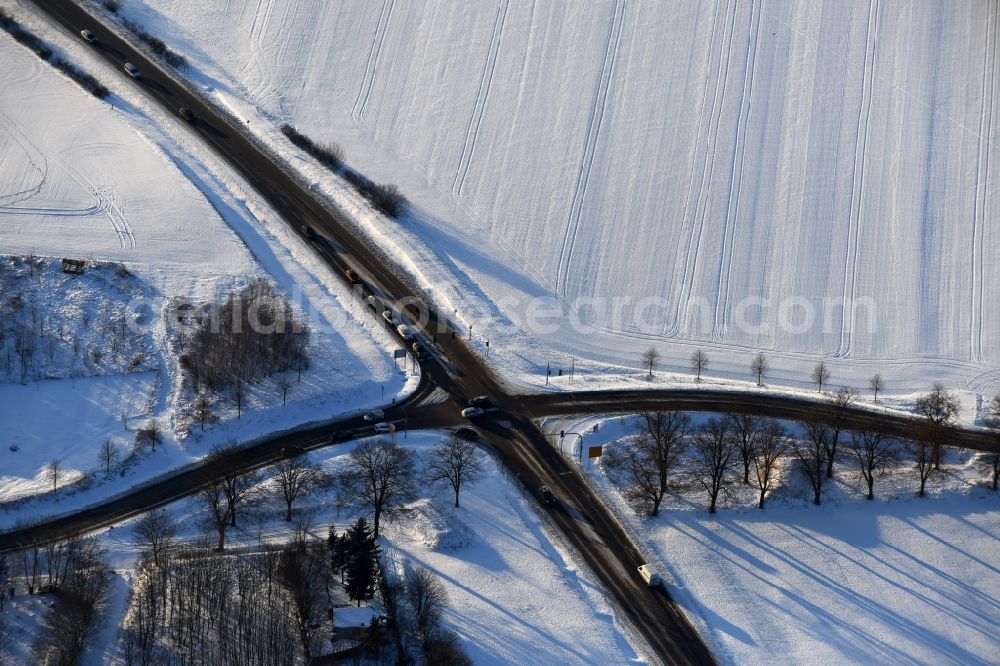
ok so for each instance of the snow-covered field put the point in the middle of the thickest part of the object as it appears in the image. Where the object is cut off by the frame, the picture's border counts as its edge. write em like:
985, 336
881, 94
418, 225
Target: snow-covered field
119, 180
515, 596
900, 579
723, 175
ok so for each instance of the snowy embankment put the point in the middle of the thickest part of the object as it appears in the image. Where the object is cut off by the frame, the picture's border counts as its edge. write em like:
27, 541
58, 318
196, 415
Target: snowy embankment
119, 180
900, 579
710, 175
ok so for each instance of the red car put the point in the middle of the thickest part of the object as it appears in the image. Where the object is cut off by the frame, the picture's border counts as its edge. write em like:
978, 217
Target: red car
352, 277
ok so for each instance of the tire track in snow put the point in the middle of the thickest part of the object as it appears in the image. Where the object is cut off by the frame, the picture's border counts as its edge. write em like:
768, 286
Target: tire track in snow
674, 327
371, 67
982, 192
482, 97
736, 178
693, 252
852, 260
590, 146
109, 204
36, 158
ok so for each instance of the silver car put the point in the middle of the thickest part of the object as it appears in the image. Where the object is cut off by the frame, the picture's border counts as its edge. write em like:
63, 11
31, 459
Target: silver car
132, 70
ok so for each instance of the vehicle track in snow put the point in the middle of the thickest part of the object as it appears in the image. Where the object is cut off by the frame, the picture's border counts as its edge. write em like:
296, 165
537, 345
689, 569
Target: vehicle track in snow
371, 67
590, 145
855, 223
482, 98
699, 214
981, 199
35, 157
736, 177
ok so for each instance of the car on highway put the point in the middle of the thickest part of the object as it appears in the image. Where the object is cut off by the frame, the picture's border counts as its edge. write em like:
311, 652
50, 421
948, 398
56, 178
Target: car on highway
548, 497
649, 575
308, 232
374, 415
480, 401
389, 317
383, 427
88, 35
418, 350
351, 276
132, 70
186, 113
405, 332
472, 412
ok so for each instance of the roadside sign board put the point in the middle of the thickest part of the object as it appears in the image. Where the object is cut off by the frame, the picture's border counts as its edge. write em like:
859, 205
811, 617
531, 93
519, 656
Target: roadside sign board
595, 451
399, 353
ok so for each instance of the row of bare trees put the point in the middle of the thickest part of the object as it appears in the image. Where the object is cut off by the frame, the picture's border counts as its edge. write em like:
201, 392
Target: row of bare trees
759, 367
741, 447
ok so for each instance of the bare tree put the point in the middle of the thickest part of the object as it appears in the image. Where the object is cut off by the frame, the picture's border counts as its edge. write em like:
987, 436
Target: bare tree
296, 476
455, 462
699, 361
428, 600
284, 385
875, 452
939, 408
69, 621
213, 497
153, 432
108, 455
156, 532
650, 358
770, 447
202, 409
303, 570
238, 484
379, 476
876, 384
840, 405
923, 448
820, 376
650, 461
53, 472
759, 367
810, 452
746, 430
715, 451
239, 392
993, 421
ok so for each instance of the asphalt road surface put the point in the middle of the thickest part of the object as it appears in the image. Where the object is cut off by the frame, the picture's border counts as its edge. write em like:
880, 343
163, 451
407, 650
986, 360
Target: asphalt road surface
451, 365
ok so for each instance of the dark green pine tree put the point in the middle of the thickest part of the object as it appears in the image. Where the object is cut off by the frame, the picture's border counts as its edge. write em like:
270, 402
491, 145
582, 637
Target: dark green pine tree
340, 555
362, 562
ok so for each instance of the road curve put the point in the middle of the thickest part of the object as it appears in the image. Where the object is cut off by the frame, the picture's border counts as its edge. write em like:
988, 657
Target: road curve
719, 401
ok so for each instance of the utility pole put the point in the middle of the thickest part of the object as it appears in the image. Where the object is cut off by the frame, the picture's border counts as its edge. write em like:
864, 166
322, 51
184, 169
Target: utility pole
548, 372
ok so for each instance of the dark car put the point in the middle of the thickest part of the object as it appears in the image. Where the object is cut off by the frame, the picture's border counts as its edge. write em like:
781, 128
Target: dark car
480, 401
351, 276
548, 499
186, 113
308, 232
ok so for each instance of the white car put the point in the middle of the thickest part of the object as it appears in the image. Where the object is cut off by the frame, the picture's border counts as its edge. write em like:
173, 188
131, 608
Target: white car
383, 427
88, 35
405, 332
374, 415
387, 315
132, 70
472, 412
